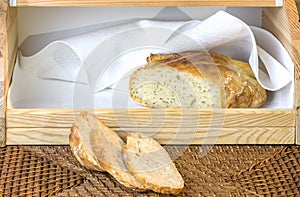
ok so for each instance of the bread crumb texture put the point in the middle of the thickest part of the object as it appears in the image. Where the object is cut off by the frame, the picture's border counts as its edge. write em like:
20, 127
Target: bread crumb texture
151, 164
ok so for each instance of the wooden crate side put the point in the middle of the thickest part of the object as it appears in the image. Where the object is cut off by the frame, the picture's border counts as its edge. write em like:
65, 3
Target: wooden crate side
155, 118
168, 126
8, 52
3, 54
12, 46
284, 24
297, 130
7, 26
148, 3
184, 136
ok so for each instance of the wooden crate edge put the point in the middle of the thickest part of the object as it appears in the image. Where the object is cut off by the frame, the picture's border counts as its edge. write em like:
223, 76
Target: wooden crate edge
263, 3
170, 136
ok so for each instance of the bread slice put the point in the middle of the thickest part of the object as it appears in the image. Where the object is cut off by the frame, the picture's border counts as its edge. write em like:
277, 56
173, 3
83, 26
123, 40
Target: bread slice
108, 149
104, 149
195, 79
151, 164
80, 138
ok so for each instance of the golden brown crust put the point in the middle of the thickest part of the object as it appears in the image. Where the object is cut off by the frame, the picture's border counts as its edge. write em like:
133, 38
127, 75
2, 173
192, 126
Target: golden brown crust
81, 152
238, 83
161, 189
194, 63
241, 88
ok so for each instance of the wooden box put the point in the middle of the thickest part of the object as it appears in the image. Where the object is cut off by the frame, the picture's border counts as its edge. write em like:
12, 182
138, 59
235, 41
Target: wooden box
172, 126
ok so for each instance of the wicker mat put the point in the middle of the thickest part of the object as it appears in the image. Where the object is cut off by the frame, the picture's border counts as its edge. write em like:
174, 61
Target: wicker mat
207, 171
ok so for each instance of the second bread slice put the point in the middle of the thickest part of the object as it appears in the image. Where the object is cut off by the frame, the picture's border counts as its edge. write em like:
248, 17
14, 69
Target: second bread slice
151, 164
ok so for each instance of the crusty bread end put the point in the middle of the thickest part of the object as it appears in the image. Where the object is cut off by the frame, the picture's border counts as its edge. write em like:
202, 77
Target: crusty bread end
79, 139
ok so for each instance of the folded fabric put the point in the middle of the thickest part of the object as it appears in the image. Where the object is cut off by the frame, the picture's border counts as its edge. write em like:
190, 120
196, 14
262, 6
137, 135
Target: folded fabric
101, 58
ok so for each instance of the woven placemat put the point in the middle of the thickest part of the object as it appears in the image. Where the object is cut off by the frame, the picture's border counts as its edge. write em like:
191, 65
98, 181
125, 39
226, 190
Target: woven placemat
207, 171
278, 175
23, 174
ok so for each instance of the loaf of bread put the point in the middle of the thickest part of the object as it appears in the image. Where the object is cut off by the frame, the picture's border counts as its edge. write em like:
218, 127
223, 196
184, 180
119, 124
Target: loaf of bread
196, 79
150, 163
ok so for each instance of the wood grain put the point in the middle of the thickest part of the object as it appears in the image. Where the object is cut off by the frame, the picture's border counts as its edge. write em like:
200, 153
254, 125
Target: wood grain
8, 51
220, 126
169, 126
284, 24
3, 13
184, 136
146, 3
12, 46
297, 130
155, 118
7, 15
3, 61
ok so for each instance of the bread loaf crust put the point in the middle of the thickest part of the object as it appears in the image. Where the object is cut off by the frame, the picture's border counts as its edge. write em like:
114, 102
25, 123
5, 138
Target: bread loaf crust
234, 81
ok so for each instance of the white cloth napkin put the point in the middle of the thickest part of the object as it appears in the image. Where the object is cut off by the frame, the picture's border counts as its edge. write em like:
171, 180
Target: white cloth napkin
101, 58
